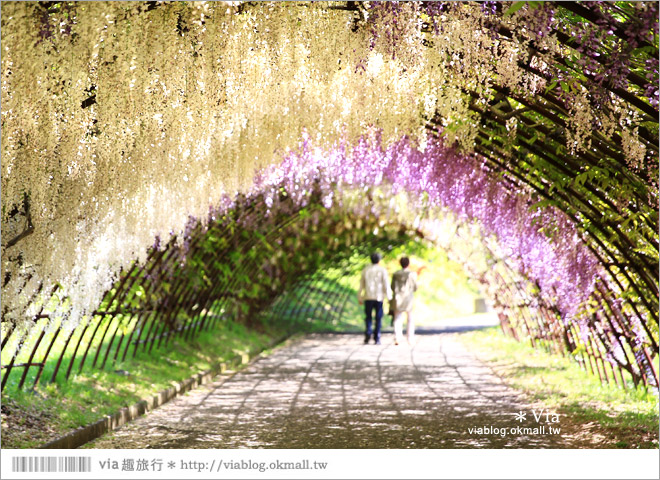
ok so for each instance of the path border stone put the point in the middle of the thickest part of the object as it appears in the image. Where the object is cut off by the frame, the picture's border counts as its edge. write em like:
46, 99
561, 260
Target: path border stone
82, 435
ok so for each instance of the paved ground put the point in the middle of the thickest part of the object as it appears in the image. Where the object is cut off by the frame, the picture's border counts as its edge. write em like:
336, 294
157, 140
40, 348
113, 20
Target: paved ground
332, 391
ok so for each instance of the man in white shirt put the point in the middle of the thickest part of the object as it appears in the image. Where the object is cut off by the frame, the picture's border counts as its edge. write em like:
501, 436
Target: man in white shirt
374, 288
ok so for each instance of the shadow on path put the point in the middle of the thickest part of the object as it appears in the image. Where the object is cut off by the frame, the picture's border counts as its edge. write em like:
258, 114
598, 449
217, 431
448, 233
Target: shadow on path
332, 391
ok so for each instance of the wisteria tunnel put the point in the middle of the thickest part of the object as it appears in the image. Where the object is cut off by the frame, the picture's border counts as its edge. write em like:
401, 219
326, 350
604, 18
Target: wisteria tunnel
168, 165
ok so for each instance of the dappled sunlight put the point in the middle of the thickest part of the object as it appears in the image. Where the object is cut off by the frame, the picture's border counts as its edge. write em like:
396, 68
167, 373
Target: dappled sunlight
332, 391
176, 172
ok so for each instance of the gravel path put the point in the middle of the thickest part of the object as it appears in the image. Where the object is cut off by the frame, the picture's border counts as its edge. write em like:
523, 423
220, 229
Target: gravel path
332, 391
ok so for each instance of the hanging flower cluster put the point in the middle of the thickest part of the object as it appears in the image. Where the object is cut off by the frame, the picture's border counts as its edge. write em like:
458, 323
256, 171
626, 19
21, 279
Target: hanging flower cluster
121, 121
132, 118
545, 247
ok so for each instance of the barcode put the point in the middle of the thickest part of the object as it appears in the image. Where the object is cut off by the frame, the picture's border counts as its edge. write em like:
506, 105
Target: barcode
51, 464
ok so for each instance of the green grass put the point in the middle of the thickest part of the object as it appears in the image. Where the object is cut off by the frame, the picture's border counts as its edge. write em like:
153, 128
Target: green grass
33, 417
56, 408
628, 418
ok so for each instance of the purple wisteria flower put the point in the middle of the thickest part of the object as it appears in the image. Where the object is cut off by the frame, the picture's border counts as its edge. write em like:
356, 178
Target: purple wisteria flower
561, 264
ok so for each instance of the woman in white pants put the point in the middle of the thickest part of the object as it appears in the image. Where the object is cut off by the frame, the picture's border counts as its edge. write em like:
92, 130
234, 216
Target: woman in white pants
404, 285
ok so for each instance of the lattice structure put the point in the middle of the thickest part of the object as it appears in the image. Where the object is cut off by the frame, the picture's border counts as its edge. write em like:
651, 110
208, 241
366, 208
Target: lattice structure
220, 270
551, 108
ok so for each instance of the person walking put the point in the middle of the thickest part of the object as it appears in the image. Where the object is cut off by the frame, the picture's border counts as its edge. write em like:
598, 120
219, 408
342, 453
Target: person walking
374, 289
404, 285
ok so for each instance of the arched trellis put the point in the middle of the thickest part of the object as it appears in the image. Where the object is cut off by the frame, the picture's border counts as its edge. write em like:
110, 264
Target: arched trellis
218, 270
173, 303
610, 326
595, 185
603, 347
537, 157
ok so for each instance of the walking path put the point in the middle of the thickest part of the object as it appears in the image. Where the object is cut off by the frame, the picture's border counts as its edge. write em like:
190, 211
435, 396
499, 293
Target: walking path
332, 391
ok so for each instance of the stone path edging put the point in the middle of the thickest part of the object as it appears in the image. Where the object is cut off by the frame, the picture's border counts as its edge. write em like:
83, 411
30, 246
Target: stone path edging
331, 391
85, 434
